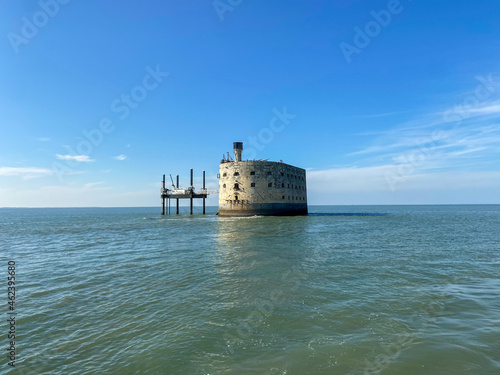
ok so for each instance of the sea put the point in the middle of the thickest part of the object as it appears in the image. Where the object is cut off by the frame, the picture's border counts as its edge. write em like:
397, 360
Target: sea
343, 290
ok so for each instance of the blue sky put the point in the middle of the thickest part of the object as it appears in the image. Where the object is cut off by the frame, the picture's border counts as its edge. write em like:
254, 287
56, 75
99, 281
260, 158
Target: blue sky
383, 102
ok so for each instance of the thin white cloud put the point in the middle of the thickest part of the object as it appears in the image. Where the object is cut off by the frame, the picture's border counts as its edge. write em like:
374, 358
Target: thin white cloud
89, 195
427, 158
464, 135
80, 158
73, 173
453, 150
350, 179
25, 172
457, 115
95, 186
375, 115
487, 109
382, 179
407, 137
120, 157
44, 139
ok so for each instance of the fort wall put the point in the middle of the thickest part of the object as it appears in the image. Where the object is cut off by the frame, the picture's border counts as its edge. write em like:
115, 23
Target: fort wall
256, 187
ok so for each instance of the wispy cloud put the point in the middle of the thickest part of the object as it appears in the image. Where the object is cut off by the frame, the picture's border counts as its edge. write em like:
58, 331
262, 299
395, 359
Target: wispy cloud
487, 109
373, 179
349, 179
439, 142
457, 115
25, 172
95, 186
462, 132
377, 115
370, 185
120, 157
74, 173
80, 158
44, 139
89, 195
457, 142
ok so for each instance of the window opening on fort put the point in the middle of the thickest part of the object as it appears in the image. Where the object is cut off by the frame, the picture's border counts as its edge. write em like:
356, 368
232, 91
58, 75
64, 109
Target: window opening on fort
243, 196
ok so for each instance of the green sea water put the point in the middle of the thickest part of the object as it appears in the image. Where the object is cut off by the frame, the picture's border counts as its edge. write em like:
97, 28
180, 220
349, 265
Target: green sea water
344, 290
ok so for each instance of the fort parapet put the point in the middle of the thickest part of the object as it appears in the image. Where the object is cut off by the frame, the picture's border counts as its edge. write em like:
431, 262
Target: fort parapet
260, 187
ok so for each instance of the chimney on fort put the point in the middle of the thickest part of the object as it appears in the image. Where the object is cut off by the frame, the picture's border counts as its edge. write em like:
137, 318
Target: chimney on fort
238, 148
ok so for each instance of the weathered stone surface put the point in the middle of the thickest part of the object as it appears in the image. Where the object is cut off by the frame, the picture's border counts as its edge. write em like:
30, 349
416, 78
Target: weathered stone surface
261, 188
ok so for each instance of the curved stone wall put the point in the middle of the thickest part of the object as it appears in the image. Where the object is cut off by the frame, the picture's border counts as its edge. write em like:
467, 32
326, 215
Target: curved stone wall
249, 188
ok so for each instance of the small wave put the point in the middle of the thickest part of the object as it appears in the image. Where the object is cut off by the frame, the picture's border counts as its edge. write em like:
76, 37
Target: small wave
231, 218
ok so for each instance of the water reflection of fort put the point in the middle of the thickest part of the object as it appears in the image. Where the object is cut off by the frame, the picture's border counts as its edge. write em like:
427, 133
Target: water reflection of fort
264, 246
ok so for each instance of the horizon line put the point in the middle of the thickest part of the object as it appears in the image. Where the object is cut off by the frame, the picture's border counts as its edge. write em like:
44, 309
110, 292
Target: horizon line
310, 205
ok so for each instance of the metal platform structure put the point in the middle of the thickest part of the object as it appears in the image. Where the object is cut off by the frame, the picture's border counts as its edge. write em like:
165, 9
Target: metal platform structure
178, 193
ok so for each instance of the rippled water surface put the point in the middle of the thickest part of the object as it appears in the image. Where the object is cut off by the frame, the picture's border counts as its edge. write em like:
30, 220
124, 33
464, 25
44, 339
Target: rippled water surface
345, 290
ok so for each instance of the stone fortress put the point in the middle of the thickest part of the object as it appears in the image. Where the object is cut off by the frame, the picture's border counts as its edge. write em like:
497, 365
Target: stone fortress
260, 187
